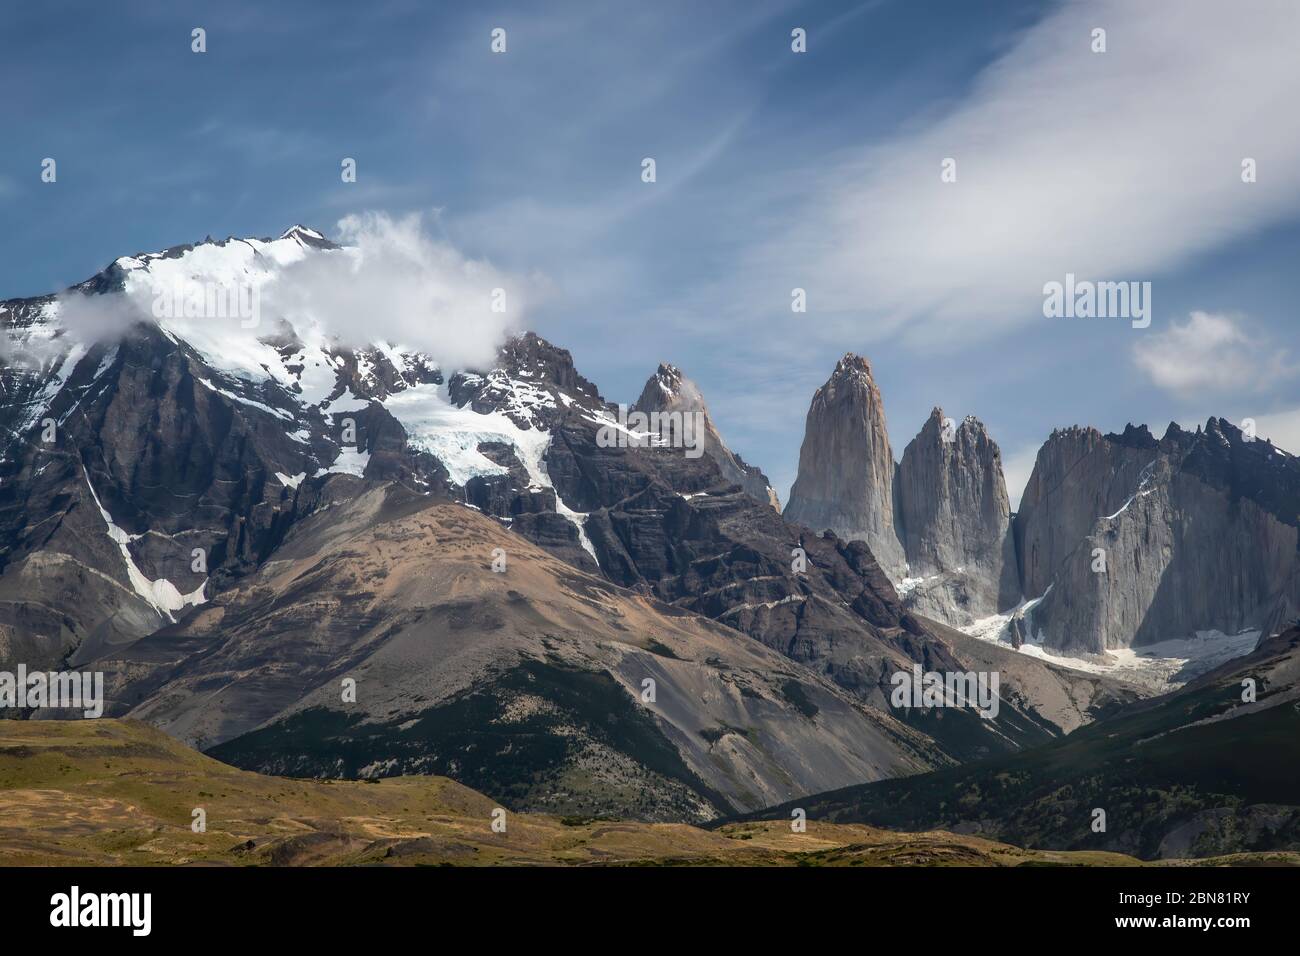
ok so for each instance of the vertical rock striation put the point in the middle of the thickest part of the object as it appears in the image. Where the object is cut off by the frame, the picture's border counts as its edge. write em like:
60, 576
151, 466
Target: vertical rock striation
956, 522
939, 523
846, 466
1132, 540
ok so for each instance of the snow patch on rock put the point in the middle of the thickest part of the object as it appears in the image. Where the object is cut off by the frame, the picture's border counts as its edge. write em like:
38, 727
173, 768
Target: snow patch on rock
163, 596
1163, 666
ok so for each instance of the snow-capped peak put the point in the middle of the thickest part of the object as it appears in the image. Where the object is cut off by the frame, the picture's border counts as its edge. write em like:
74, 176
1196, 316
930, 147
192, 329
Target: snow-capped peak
299, 230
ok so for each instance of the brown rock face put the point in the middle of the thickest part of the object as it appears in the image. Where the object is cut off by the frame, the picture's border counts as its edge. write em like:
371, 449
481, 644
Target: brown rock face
846, 466
956, 522
393, 588
668, 390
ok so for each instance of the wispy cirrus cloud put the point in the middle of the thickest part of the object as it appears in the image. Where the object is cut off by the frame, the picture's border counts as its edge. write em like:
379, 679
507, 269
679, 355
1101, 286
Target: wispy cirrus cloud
1115, 165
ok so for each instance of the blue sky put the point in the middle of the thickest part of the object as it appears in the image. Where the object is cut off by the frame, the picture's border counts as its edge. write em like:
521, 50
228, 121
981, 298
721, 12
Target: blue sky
775, 170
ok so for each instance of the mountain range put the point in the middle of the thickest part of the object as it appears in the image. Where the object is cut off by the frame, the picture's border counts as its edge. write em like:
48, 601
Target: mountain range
1122, 541
314, 558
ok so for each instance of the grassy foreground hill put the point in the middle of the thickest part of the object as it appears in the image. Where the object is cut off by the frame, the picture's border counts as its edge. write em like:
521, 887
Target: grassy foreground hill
110, 792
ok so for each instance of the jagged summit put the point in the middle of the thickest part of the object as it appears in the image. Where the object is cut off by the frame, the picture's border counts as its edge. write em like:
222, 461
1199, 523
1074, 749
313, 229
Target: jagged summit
971, 422
955, 522
301, 231
669, 390
1136, 436
851, 371
938, 522
668, 377
850, 363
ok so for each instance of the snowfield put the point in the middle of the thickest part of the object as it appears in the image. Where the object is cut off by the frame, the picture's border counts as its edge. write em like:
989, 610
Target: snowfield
452, 435
1163, 666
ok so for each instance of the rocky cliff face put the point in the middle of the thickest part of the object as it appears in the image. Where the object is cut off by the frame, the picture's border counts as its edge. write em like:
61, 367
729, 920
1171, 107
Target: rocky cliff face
956, 522
1078, 476
938, 523
846, 466
668, 390
1122, 540
1132, 540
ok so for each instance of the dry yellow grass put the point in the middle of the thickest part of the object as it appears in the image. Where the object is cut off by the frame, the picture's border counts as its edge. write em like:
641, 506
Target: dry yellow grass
109, 792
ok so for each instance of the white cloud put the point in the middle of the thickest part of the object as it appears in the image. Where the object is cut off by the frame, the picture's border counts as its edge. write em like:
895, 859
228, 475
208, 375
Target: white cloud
99, 318
1209, 353
1113, 166
392, 282
401, 285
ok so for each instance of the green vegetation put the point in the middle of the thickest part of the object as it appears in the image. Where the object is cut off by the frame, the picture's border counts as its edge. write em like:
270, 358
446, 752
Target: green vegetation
109, 792
1172, 776
494, 738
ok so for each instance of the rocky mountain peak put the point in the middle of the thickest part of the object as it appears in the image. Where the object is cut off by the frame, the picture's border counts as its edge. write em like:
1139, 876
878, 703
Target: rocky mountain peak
846, 465
1135, 436
935, 422
1083, 433
1241, 466
528, 355
668, 390
852, 364
299, 231
852, 375
668, 378
969, 430
533, 383
955, 522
